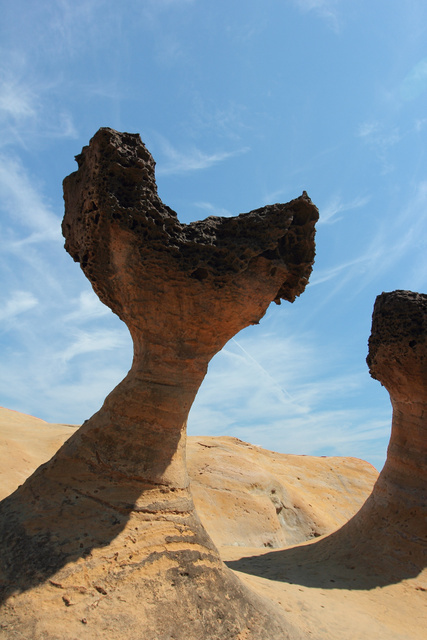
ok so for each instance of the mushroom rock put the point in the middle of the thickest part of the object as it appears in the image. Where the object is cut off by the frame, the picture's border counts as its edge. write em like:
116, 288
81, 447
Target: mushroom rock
396, 511
386, 540
103, 540
388, 536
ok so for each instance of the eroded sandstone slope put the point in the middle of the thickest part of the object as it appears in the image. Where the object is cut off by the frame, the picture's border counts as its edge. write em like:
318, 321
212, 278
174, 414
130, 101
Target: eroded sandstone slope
245, 496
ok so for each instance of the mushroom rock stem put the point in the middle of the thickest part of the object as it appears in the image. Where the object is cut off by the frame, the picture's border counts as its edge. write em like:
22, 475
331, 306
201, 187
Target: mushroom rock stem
182, 290
398, 359
112, 512
387, 539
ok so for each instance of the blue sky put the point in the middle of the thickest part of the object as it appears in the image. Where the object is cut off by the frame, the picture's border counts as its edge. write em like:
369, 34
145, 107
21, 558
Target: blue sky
241, 104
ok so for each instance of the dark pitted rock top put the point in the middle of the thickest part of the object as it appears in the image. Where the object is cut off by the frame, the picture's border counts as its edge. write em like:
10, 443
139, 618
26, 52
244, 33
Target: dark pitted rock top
115, 187
398, 343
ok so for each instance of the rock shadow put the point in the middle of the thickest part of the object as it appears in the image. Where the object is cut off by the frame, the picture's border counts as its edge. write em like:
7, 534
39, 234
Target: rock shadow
305, 565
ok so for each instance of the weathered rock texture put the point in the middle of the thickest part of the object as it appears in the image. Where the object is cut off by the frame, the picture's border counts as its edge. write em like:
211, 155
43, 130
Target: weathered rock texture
245, 496
390, 531
232, 483
386, 541
397, 508
26, 443
105, 536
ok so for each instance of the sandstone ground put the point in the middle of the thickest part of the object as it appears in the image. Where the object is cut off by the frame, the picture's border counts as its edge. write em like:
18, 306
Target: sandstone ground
267, 513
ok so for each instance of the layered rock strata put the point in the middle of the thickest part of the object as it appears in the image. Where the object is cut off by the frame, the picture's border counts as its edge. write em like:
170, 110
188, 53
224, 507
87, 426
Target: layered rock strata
104, 536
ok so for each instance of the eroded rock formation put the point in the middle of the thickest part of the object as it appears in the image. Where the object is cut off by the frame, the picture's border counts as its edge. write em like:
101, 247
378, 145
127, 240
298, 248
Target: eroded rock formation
397, 358
105, 536
389, 533
386, 540
244, 495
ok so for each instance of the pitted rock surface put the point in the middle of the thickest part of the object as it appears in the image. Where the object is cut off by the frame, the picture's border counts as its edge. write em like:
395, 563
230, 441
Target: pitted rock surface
397, 345
106, 532
115, 189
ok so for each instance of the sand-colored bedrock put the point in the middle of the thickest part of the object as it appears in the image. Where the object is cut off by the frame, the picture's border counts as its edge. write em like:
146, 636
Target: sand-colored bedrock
256, 505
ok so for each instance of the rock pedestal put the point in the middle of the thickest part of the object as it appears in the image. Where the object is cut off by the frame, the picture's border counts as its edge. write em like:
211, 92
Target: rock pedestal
397, 508
104, 537
386, 540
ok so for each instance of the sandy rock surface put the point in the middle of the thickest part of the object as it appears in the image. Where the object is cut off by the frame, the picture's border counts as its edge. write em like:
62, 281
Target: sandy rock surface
232, 483
245, 496
25, 443
248, 496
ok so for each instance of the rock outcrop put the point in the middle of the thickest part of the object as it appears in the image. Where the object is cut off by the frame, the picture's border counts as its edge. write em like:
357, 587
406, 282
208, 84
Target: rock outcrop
385, 542
244, 495
389, 533
247, 496
104, 537
396, 512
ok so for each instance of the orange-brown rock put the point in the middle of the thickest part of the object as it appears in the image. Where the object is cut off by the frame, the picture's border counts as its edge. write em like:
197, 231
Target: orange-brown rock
245, 496
385, 542
104, 536
26, 443
397, 508
390, 531
232, 484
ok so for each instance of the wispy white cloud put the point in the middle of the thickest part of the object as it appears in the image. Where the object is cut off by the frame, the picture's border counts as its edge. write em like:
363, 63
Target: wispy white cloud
73, 24
28, 108
286, 395
153, 9
380, 139
326, 9
88, 342
420, 124
19, 302
16, 100
24, 205
415, 82
191, 160
53, 370
161, 5
359, 263
213, 210
228, 119
402, 233
88, 307
36, 380
329, 214
278, 195
169, 50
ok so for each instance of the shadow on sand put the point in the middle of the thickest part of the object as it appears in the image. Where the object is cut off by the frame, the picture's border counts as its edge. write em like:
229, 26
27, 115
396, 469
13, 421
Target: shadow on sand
333, 562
